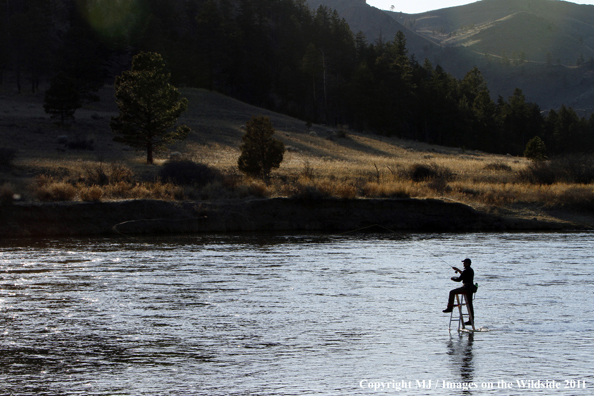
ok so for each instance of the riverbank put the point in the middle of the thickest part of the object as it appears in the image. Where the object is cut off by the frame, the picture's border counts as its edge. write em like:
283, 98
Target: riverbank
141, 217
332, 179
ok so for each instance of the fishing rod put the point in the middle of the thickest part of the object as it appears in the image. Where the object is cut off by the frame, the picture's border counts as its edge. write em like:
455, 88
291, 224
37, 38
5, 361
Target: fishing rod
440, 259
445, 262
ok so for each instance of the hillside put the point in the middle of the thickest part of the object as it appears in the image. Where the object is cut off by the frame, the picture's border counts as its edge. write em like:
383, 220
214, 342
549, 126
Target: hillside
217, 124
544, 47
559, 30
320, 162
374, 23
511, 41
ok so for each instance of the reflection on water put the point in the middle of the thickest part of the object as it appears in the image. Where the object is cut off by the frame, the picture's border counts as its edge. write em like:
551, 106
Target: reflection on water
460, 351
292, 314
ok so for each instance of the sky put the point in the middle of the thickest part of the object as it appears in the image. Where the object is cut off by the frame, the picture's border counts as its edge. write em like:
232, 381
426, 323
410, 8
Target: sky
417, 6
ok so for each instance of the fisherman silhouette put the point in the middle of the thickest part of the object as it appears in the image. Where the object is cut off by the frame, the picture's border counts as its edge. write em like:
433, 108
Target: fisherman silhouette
468, 288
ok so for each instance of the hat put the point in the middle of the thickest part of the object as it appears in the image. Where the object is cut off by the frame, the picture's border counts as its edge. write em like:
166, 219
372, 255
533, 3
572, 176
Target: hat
466, 259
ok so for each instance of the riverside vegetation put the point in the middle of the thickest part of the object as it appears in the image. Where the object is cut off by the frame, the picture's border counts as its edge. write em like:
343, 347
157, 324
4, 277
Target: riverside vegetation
42, 161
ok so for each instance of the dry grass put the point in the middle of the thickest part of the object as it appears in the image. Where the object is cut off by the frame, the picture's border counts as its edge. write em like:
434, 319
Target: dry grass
322, 162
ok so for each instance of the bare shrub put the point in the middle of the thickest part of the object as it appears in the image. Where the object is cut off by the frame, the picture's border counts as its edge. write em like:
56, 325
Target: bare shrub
156, 190
308, 170
344, 190
91, 194
95, 175
59, 191
306, 189
256, 188
421, 172
120, 173
43, 180
101, 174
166, 191
539, 172
576, 168
118, 190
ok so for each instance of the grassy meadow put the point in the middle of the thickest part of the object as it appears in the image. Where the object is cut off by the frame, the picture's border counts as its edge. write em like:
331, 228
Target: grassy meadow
81, 162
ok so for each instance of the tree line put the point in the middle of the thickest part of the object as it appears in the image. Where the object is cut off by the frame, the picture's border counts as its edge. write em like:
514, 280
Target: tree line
281, 55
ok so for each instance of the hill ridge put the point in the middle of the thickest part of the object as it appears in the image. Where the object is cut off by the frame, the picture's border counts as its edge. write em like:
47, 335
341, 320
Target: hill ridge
544, 47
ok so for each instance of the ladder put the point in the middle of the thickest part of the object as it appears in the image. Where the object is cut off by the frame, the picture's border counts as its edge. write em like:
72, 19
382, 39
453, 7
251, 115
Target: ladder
461, 303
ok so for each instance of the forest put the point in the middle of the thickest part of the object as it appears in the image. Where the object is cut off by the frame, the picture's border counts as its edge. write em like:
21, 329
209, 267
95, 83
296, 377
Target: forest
283, 56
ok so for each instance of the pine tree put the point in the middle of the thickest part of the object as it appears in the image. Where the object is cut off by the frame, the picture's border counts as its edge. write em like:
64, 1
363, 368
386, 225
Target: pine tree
536, 149
149, 106
260, 152
62, 98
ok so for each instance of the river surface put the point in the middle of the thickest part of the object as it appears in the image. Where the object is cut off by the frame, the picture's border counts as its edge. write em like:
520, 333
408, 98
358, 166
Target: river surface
259, 314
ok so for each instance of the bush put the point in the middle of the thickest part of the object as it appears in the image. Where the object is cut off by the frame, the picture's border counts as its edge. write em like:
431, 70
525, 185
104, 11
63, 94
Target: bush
536, 149
255, 188
260, 152
119, 173
7, 155
576, 168
420, 173
56, 192
99, 175
186, 172
540, 172
93, 194
569, 169
95, 175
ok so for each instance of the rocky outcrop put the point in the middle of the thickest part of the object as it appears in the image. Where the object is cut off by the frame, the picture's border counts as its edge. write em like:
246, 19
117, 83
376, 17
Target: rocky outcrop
135, 217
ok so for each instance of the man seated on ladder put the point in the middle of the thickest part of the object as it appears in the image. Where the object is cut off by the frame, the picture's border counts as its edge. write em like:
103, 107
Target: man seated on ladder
468, 289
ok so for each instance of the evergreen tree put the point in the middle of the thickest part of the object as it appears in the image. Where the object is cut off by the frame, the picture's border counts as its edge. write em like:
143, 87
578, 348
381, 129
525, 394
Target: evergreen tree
472, 85
395, 88
62, 98
518, 118
536, 149
149, 106
570, 131
260, 152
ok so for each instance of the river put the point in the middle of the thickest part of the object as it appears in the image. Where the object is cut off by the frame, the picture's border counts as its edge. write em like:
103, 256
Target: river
313, 314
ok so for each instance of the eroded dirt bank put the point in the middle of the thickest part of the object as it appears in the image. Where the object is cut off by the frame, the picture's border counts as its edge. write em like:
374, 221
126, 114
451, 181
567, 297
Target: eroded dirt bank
135, 217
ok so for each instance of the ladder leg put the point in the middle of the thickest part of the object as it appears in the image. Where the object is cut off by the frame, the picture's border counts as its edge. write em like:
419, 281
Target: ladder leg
470, 312
452, 318
461, 302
